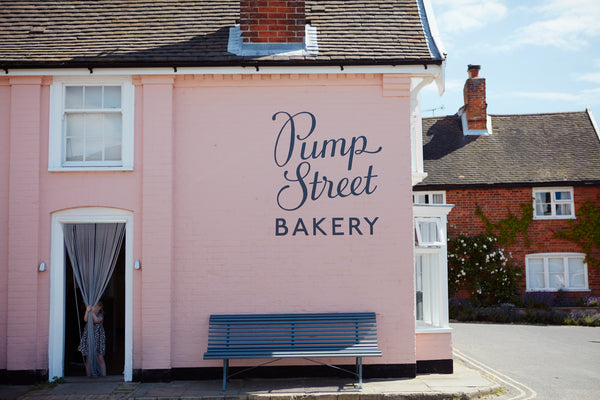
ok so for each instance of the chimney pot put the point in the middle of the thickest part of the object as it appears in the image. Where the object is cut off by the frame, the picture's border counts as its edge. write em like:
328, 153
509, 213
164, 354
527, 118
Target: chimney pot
473, 70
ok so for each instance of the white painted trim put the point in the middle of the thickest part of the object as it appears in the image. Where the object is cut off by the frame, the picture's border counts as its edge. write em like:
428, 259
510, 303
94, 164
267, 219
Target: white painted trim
308, 47
56, 139
439, 299
432, 329
474, 132
56, 340
434, 41
414, 70
552, 190
416, 128
430, 193
564, 256
593, 121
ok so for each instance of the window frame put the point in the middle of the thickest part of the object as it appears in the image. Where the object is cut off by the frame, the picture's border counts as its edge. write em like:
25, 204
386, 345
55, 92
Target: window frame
435, 289
419, 235
566, 273
430, 194
554, 202
57, 141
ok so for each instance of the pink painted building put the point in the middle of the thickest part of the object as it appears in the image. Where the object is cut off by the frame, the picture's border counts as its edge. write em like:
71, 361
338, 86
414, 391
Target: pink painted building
253, 171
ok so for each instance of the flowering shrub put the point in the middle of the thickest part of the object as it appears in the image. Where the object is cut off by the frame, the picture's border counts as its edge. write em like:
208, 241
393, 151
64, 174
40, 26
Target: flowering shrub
539, 300
592, 301
478, 265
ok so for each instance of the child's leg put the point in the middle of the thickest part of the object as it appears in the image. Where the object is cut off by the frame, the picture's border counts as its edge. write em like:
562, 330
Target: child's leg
102, 364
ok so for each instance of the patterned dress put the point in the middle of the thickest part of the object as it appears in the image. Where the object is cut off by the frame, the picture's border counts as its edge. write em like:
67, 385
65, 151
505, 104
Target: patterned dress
99, 336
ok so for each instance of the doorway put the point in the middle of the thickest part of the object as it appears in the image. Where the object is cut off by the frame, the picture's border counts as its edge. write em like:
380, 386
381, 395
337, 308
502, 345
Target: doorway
60, 293
114, 320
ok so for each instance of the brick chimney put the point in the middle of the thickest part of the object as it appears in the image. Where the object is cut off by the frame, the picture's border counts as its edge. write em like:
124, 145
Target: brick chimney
269, 21
475, 106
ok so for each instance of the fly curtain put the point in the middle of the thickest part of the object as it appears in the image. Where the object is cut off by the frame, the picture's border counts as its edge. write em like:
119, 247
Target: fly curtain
93, 250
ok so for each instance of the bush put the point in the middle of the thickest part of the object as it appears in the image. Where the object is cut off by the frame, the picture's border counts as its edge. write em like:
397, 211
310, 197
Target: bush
538, 313
538, 300
583, 318
478, 265
591, 301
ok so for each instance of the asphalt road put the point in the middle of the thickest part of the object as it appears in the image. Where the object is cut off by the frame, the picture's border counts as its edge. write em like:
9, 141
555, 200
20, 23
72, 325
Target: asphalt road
532, 361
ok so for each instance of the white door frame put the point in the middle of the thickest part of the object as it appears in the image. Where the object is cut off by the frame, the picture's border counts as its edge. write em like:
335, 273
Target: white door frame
56, 340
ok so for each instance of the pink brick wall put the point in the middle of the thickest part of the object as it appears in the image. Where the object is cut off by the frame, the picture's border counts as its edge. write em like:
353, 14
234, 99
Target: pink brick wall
4, 180
204, 193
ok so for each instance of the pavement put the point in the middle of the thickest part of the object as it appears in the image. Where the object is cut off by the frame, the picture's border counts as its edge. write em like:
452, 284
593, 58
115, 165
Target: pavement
464, 383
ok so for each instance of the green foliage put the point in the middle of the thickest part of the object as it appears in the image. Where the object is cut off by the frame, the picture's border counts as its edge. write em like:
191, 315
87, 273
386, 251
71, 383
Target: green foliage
585, 230
478, 265
506, 230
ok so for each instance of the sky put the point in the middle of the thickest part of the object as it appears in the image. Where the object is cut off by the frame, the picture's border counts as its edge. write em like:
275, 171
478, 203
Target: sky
537, 56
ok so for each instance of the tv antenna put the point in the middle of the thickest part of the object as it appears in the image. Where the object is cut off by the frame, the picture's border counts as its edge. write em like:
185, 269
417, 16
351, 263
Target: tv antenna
433, 110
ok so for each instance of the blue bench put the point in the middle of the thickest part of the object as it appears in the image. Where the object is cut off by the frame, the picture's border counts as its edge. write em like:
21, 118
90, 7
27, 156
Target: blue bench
280, 336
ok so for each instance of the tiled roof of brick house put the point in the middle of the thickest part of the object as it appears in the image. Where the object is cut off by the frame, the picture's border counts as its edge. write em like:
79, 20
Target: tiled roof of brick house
550, 149
119, 33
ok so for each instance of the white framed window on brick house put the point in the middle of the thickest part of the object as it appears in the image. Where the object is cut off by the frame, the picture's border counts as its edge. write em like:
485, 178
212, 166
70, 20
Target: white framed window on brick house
553, 203
429, 197
556, 271
91, 124
431, 268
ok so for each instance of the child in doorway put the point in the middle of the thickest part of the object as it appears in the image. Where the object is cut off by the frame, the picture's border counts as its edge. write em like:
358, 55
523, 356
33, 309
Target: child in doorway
97, 313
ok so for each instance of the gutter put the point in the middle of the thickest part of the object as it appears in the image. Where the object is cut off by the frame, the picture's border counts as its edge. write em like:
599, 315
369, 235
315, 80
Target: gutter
431, 70
430, 187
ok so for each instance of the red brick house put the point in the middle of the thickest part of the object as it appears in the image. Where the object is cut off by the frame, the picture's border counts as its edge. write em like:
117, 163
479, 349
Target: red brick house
498, 163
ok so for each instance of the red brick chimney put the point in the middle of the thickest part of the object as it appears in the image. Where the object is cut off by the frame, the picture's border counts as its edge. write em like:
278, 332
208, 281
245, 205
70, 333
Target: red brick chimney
269, 21
475, 105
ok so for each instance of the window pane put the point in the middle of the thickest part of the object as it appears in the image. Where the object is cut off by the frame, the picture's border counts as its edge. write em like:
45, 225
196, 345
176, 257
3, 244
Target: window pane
112, 96
437, 198
74, 149
112, 148
427, 288
94, 125
75, 125
536, 273
562, 195
543, 204
563, 209
419, 198
576, 273
556, 273
112, 124
93, 97
74, 97
429, 232
419, 286
93, 149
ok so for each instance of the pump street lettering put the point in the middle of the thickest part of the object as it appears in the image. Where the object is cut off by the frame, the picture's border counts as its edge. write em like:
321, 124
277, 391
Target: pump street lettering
303, 183
324, 226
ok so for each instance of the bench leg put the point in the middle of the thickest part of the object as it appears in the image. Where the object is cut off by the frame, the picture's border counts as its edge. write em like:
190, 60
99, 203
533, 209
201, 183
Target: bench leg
359, 371
225, 372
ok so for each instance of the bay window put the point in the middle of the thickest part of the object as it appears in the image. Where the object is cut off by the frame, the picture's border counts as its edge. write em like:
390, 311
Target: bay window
431, 267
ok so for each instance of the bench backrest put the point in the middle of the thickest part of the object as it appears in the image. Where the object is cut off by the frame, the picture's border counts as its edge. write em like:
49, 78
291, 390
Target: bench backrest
292, 335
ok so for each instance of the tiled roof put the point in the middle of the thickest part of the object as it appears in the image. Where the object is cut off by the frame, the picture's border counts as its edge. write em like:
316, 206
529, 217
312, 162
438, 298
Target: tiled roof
121, 33
523, 149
